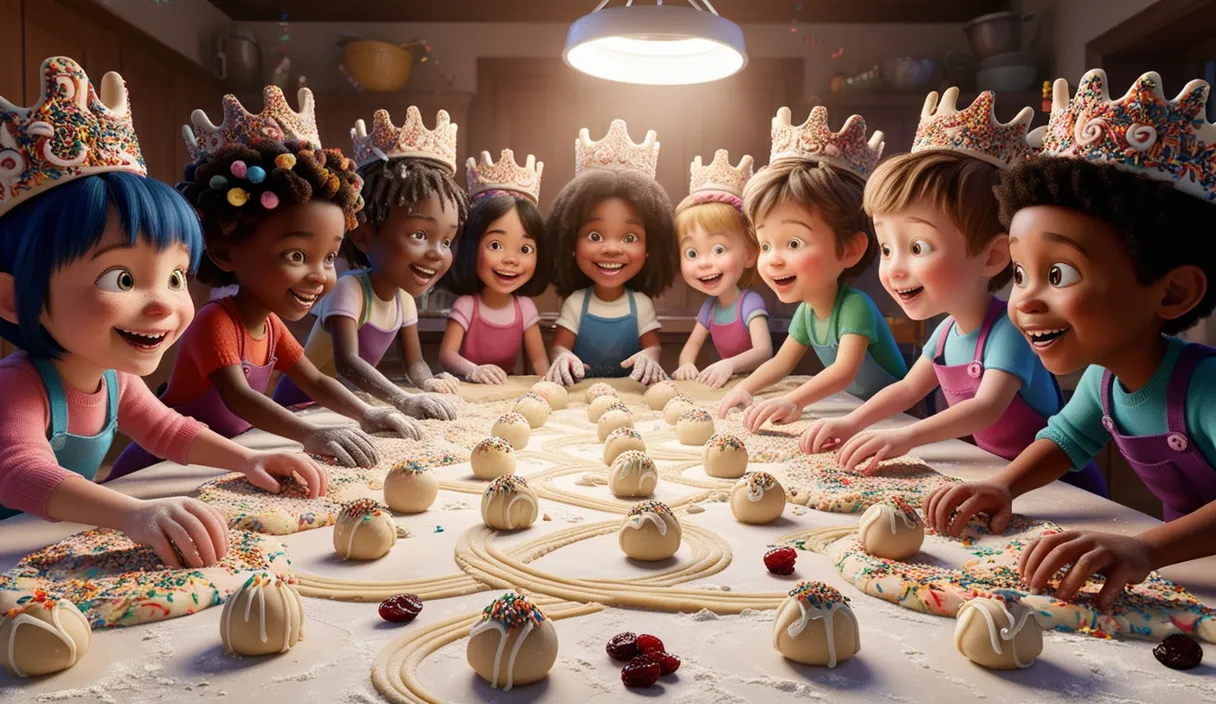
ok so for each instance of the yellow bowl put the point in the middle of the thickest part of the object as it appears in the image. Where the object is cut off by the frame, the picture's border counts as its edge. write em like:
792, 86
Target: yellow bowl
378, 66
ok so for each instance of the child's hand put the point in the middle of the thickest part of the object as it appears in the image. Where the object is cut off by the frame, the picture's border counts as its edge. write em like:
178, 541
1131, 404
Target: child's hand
876, 446
1081, 554
265, 469
349, 444
199, 531
717, 374
380, 419
425, 406
686, 372
780, 410
948, 509
646, 369
487, 374
566, 370
825, 434
441, 383
735, 397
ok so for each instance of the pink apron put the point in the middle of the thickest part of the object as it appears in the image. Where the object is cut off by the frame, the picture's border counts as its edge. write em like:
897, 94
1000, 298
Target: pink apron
732, 338
488, 343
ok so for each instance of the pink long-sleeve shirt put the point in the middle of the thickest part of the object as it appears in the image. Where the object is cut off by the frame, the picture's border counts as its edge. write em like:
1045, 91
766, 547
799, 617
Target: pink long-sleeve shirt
29, 471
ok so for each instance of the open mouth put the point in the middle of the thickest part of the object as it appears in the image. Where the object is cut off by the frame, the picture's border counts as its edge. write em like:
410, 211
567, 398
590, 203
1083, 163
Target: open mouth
142, 341
422, 273
908, 294
784, 281
610, 268
711, 279
506, 276
1042, 339
304, 299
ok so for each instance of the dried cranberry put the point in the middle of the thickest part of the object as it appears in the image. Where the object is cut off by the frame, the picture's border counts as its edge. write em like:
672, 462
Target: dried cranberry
623, 646
781, 560
668, 663
1178, 652
649, 645
641, 671
402, 608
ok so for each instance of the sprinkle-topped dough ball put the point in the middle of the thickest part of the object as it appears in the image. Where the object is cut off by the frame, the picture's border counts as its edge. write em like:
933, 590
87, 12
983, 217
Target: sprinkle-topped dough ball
509, 503
513, 644
659, 394
694, 427
998, 635
410, 487
492, 457
676, 406
725, 457
513, 428
40, 634
264, 615
597, 390
650, 532
633, 474
891, 529
815, 626
619, 441
555, 394
757, 498
600, 406
364, 530
534, 408
611, 420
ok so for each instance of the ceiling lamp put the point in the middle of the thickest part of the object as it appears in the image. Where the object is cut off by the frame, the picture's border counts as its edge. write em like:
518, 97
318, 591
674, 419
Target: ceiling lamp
656, 44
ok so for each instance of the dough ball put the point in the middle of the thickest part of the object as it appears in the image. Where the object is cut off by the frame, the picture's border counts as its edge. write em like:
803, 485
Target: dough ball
495, 650
676, 406
534, 408
265, 615
492, 457
633, 474
757, 498
555, 394
513, 428
620, 440
509, 503
998, 635
410, 487
600, 406
650, 532
725, 457
597, 390
659, 394
815, 626
611, 420
364, 530
891, 529
694, 427
40, 634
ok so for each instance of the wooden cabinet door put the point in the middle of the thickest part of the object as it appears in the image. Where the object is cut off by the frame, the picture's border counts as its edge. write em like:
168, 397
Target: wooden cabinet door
53, 30
11, 52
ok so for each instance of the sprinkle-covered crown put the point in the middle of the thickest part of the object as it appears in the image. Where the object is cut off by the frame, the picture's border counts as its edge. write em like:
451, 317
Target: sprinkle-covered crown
277, 122
616, 151
506, 175
974, 131
412, 139
814, 141
69, 133
718, 180
1142, 132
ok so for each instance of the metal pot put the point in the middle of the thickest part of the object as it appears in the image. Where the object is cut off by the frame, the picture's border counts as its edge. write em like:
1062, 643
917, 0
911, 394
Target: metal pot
907, 75
997, 33
238, 62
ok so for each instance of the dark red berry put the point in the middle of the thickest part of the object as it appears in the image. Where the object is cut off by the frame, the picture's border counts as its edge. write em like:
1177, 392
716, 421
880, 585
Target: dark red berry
668, 663
781, 560
649, 645
1178, 652
402, 608
623, 646
641, 671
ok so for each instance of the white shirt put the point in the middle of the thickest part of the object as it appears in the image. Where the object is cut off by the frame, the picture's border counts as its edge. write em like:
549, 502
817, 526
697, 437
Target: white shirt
572, 310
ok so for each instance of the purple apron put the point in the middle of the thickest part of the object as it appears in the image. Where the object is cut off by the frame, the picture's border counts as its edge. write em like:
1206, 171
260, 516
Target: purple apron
1169, 464
733, 338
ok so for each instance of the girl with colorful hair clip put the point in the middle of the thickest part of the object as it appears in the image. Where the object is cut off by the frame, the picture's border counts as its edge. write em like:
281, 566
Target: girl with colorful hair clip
94, 258
498, 267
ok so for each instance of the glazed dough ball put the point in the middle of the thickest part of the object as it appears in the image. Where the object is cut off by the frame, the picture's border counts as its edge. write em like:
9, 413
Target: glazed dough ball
508, 503
555, 394
264, 615
725, 457
676, 406
757, 498
597, 390
410, 487
659, 394
611, 420
492, 457
495, 650
534, 408
600, 406
815, 626
694, 427
364, 530
650, 532
40, 634
891, 529
998, 635
620, 440
513, 428
633, 474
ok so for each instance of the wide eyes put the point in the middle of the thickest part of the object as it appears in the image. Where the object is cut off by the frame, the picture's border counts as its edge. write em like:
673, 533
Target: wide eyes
795, 243
629, 238
1019, 276
117, 279
177, 280
1059, 275
495, 246
420, 236
719, 250
295, 256
920, 248
765, 248
690, 253
886, 251
527, 249
594, 236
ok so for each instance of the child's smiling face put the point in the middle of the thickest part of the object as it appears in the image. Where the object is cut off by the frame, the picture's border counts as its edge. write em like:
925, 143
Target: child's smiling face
798, 252
414, 245
611, 247
507, 256
713, 262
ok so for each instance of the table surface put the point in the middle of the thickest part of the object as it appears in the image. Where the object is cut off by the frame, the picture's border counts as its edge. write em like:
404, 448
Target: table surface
905, 656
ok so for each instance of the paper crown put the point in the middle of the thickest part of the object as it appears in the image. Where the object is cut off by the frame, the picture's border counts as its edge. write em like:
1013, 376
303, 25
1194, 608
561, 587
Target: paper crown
974, 131
506, 175
814, 141
718, 180
68, 133
412, 139
616, 151
277, 122
1142, 132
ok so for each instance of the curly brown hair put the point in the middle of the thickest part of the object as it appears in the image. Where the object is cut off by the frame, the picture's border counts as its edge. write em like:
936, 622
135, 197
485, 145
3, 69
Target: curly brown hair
237, 187
573, 206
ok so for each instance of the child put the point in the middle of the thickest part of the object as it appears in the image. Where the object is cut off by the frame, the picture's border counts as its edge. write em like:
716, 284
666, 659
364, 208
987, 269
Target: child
1110, 234
616, 219
718, 255
814, 238
275, 208
498, 267
944, 250
413, 212
93, 264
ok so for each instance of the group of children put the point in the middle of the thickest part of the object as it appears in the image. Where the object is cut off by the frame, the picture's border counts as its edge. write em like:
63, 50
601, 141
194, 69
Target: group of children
1100, 220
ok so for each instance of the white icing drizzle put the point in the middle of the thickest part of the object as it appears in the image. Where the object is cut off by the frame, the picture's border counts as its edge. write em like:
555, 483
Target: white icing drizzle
350, 541
291, 605
519, 642
807, 613
877, 512
490, 623
755, 492
996, 635
651, 516
56, 630
506, 511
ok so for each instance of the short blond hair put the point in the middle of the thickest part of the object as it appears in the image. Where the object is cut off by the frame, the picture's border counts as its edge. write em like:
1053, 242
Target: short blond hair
714, 216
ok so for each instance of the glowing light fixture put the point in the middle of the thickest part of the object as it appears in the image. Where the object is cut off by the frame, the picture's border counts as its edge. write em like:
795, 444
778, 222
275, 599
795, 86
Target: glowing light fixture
656, 44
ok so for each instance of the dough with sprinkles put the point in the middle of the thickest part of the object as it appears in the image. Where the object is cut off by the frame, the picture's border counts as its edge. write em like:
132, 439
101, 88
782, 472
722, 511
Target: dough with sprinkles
891, 529
508, 503
677, 405
619, 441
694, 427
410, 487
632, 475
40, 634
610, 421
555, 394
998, 635
659, 394
513, 644
513, 428
599, 389
264, 616
601, 404
365, 530
724, 457
757, 498
650, 532
492, 457
816, 626
534, 408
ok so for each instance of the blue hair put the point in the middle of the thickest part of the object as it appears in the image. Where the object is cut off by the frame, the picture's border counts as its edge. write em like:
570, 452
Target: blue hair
45, 234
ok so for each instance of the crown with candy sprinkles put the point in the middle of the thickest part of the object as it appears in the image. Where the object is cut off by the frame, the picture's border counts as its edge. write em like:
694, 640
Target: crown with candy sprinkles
68, 133
717, 181
616, 151
277, 122
1142, 132
814, 141
411, 140
974, 131
506, 175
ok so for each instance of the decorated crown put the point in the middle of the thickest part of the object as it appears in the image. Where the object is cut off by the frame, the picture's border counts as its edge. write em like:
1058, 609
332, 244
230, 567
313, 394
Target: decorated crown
67, 134
718, 180
814, 141
1142, 132
277, 122
506, 175
412, 139
974, 131
616, 151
